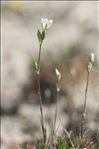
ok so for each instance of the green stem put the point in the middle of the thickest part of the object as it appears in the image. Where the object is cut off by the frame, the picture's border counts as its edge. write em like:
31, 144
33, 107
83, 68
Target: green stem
39, 57
55, 119
86, 90
84, 107
40, 97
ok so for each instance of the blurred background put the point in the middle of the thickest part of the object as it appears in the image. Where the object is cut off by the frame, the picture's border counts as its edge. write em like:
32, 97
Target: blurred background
69, 42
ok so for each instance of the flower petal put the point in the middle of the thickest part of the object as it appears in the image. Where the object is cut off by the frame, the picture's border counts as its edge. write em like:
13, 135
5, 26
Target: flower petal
49, 23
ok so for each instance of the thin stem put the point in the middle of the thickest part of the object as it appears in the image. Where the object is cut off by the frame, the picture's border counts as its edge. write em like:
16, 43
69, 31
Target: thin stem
55, 119
86, 90
39, 57
40, 97
84, 107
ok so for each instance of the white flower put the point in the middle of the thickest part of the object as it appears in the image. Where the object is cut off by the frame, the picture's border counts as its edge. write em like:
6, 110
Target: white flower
45, 23
92, 57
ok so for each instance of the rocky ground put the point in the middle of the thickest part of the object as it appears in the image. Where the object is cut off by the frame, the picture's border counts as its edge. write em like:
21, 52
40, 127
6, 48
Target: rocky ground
72, 37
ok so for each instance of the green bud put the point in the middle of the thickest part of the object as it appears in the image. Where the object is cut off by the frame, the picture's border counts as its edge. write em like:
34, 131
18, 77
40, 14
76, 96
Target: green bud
41, 36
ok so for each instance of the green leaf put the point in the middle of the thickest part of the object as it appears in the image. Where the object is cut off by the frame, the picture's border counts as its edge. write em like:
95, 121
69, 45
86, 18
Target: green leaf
62, 144
77, 141
45, 146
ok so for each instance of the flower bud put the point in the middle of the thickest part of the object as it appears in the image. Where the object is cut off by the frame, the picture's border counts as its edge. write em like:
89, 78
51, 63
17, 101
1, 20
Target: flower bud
92, 57
89, 66
41, 36
58, 74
